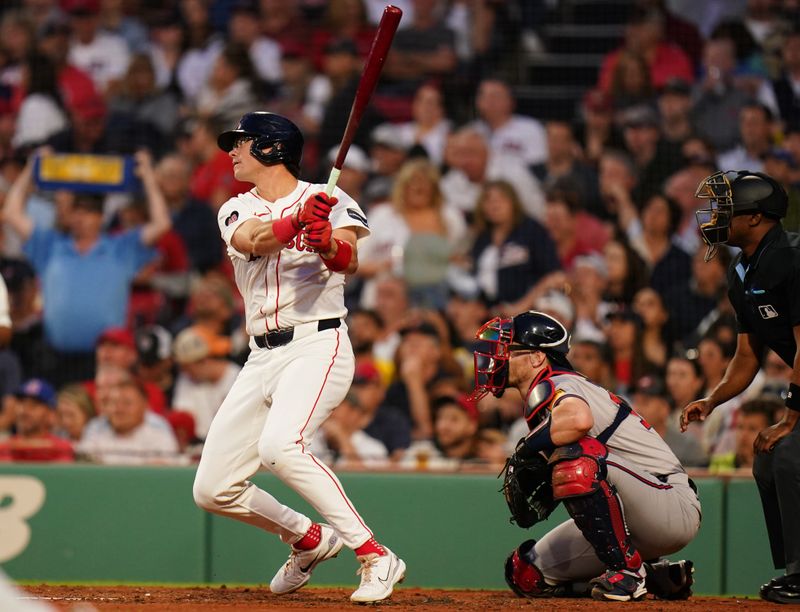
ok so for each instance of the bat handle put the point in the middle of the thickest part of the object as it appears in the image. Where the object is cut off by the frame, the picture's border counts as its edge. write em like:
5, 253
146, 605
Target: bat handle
332, 180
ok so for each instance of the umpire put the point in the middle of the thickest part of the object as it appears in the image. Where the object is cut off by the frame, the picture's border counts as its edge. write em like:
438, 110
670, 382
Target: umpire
764, 289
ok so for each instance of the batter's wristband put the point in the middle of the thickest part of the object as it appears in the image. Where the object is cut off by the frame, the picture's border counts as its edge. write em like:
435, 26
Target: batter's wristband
285, 229
793, 397
341, 260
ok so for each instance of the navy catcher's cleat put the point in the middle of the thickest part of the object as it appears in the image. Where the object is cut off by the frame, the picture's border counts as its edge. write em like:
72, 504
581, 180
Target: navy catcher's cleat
619, 585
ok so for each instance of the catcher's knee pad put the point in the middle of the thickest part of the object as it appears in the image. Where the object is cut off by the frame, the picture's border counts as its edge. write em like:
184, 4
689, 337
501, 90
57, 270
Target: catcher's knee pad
580, 481
526, 579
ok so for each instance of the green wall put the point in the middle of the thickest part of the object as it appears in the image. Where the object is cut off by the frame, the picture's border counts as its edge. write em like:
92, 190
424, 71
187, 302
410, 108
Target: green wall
140, 525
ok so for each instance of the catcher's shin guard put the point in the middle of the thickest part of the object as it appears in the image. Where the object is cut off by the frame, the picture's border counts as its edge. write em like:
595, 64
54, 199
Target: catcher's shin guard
526, 580
579, 480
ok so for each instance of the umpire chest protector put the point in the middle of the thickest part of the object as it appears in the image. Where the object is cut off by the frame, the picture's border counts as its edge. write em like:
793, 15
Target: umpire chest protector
765, 291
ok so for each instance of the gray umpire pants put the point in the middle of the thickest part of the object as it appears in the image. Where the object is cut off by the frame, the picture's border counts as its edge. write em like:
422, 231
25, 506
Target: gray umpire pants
777, 474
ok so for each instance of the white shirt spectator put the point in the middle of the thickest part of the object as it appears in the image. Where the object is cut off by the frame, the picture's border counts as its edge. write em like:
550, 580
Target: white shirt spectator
147, 444
522, 137
104, 59
265, 54
318, 95
39, 118
433, 142
739, 159
463, 194
5, 316
203, 399
195, 67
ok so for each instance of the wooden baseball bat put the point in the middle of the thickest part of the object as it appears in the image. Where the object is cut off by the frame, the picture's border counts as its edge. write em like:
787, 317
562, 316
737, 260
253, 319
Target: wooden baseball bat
369, 79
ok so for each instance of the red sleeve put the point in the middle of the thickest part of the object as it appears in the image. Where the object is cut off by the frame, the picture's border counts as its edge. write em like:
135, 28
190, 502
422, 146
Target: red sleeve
607, 70
173, 253
155, 398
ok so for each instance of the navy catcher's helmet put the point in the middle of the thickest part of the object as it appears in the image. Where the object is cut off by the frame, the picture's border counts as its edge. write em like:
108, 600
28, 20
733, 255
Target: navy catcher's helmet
268, 131
734, 193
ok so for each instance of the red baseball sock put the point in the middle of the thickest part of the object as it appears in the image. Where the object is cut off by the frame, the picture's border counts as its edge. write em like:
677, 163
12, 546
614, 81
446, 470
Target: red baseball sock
311, 539
369, 547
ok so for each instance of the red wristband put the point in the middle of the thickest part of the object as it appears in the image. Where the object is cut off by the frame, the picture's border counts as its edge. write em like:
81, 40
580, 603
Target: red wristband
284, 229
341, 260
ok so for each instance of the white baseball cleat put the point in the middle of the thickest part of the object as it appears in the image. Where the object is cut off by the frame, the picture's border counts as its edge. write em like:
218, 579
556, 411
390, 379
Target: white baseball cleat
296, 572
379, 574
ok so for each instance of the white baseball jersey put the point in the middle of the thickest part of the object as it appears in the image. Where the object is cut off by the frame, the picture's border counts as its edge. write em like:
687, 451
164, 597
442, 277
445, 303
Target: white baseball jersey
292, 286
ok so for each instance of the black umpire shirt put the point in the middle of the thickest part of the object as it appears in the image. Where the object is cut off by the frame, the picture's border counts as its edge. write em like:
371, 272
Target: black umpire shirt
765, 291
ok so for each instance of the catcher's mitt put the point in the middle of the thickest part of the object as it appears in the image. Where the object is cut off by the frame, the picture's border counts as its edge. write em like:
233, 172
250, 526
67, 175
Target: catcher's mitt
527, 487
670, 580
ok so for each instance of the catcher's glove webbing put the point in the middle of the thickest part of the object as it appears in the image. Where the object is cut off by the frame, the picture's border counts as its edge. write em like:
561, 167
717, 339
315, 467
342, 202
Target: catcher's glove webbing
527, 487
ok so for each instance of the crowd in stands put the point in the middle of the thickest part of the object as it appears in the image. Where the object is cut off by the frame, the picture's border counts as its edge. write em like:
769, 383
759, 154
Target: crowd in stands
121, 329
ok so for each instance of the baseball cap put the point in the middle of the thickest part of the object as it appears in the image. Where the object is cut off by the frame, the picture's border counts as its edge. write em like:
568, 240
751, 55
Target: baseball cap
15, 272
623, 312
81, 7
651, 386
781, 155
595, 261
341, 45
598, 101
91, 202
676, 85
190, 346
470, 407
39, 390
356, 158
117, 335
639, 116
387, 135
556, 303
154, 344
366, 373
245, 6
421, 328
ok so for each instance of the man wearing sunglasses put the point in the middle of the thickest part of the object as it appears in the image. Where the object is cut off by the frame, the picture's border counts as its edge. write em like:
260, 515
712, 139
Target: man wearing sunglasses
628, 496
745, 211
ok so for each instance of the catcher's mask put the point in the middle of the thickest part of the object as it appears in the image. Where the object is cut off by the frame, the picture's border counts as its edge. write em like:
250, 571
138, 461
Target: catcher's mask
528, 331
735, 193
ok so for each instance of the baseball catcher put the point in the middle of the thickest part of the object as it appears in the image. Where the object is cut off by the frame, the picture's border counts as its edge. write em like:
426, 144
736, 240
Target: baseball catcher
629, 499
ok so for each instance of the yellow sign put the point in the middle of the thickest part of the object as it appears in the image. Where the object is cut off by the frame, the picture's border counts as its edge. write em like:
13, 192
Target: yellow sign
90, 169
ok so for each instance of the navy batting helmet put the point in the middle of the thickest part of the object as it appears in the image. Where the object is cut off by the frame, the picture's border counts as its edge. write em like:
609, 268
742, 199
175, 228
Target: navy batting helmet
735, 193
268, 131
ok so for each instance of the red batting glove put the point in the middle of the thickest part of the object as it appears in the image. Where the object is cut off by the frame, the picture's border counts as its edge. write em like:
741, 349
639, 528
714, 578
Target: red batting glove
317, 208
318, 235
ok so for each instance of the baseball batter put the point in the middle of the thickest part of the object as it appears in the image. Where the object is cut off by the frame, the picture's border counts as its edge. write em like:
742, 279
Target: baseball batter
627, 495
290, 246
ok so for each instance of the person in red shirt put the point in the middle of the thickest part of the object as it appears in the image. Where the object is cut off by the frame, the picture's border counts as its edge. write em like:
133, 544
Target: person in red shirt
212, 179
644, 34
35, 416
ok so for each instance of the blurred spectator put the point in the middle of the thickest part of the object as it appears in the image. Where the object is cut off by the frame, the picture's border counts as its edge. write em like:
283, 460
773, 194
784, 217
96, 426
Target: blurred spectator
623, 329
597, 123
201, 48
471, 165
656, 343
355, 170
212, 179
455, 429
424, 48
140, 97
630, 82
102, 55
644, 34
508, 134
755, 127
85, 274
344, 19
627, 272
154, 364
27, 339
116, 18
650, 401
213, 310
165, 48
244, 30
675, 108
512, 253
116, 348
74, 409
429, 126
419, 365
204, 378
780, 165
677, 28
717, 101
229, 92
16, 42
563, 168
35, 418
655, 159
365, 327
685, 383
681, 187
490, 447
588, 280
123, 436
281, 20
752, 417
618, 178
391, 305
192, 219
713, 357
706, 291
345, 436
388, 423
388, 154
777, 375
416, 236
782, 95
592, 359
669, 266
41, 113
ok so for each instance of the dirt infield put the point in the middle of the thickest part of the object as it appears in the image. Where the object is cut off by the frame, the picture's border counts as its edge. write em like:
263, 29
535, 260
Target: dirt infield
242, 599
